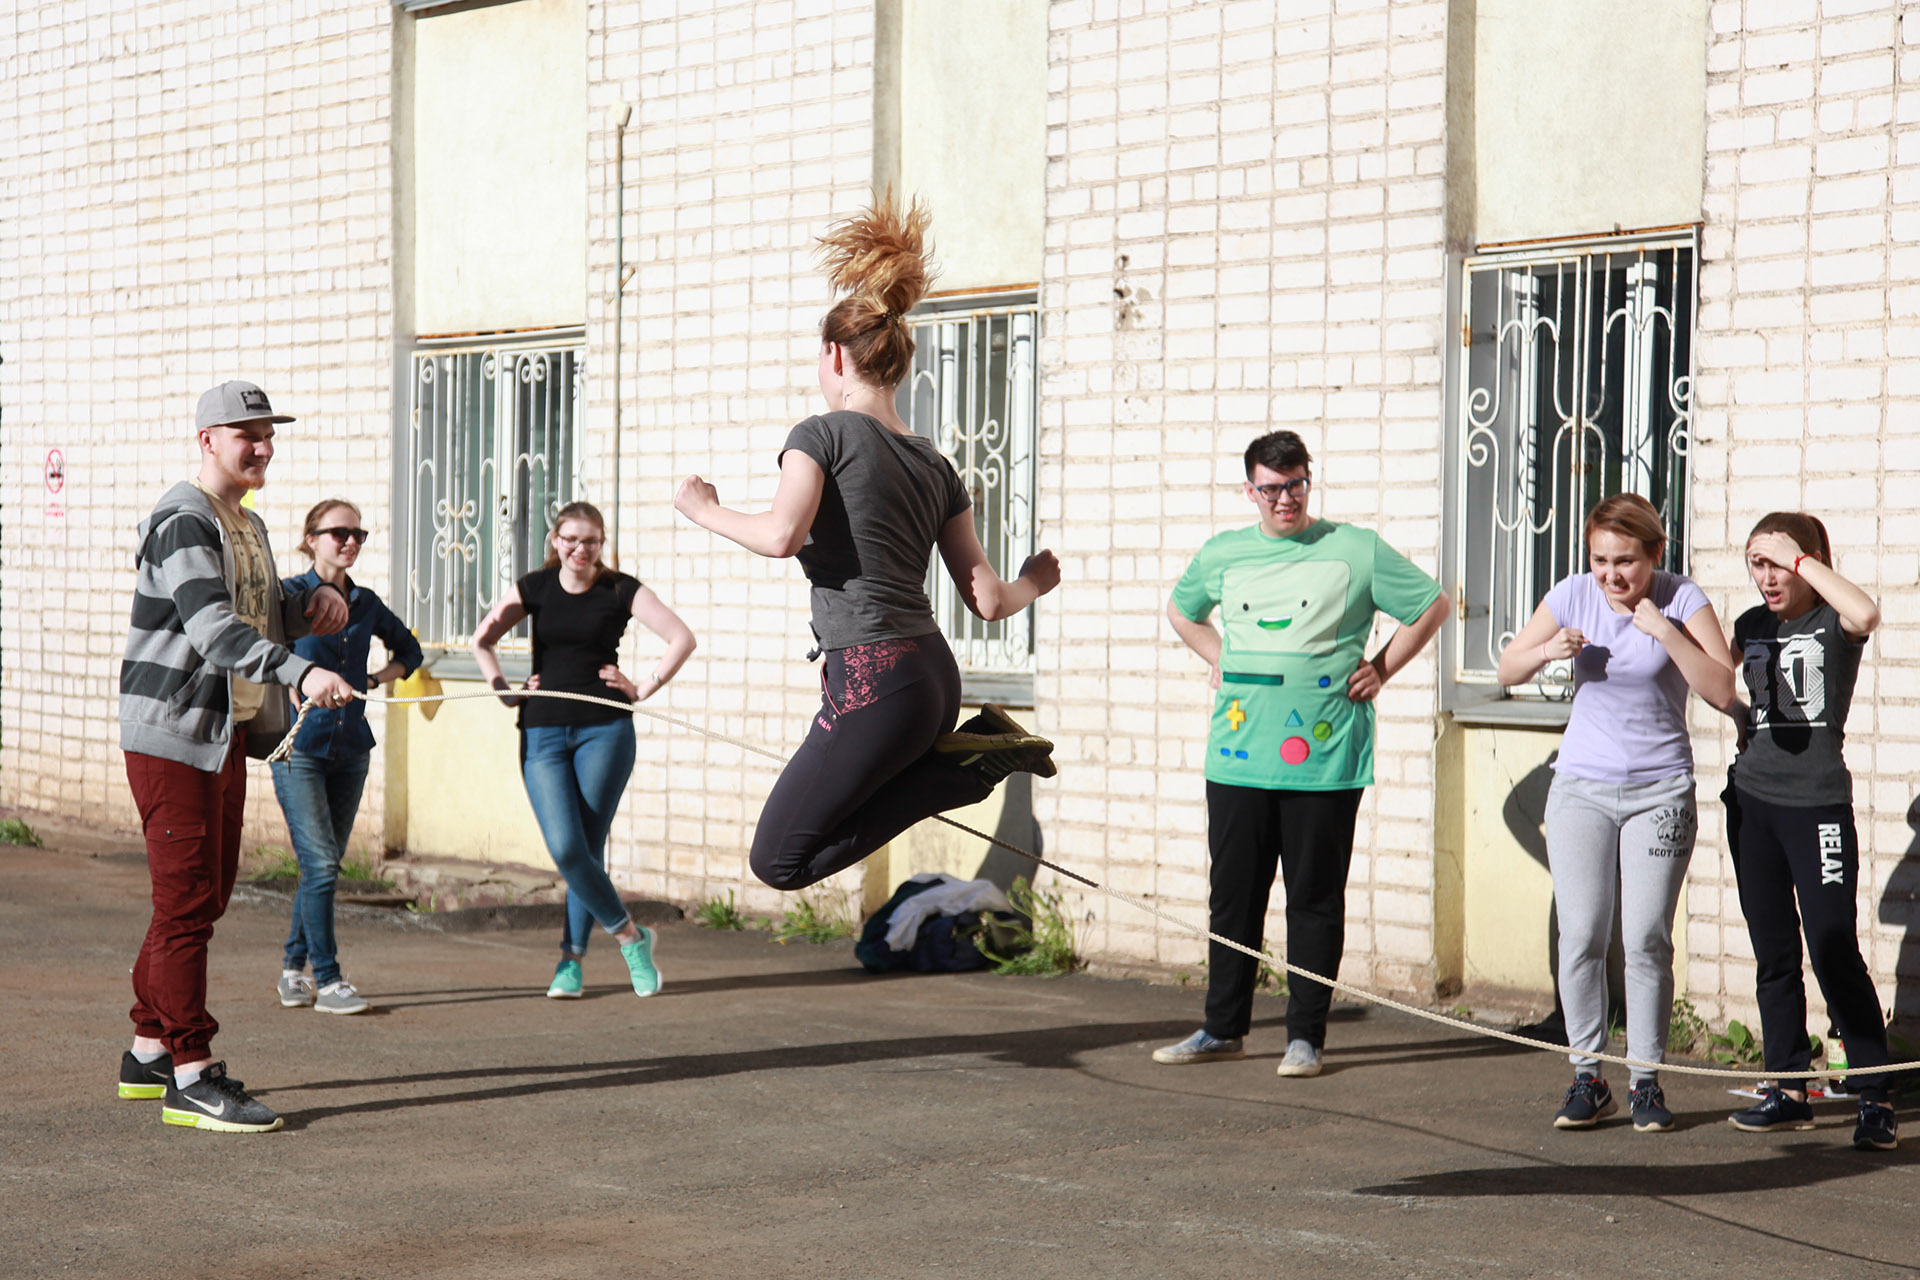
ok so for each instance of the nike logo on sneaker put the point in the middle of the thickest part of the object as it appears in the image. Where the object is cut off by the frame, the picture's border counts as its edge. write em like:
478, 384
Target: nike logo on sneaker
212, 1111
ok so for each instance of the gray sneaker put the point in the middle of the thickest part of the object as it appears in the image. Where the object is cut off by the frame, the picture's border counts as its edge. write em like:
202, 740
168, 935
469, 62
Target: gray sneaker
1300, 1059
1199, 1047
339, 997
296, 990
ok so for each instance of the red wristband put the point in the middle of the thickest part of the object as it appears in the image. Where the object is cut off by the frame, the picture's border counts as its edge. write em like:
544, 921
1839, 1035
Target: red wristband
1797, 559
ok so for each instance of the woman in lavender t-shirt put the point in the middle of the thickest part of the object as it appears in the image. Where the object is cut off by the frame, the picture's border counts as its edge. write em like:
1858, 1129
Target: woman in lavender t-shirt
1620, 817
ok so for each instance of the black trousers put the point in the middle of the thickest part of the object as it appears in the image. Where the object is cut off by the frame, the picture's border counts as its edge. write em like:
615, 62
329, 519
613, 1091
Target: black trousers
866, 771
1782, 854
1308, 837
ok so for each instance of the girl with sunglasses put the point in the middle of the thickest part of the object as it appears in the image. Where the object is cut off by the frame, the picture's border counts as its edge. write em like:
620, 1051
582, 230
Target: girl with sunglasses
1796, 853
862, 503
576, 757
319, 784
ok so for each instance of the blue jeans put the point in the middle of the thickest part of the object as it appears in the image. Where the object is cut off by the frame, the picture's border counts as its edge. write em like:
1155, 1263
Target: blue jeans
575, 775
319, 798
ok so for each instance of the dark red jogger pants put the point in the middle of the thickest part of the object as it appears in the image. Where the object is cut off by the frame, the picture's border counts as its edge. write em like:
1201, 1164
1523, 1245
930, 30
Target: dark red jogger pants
191, 819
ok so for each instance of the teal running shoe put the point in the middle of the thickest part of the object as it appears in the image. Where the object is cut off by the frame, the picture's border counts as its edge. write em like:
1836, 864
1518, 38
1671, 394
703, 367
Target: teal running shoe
639, 957
566, 984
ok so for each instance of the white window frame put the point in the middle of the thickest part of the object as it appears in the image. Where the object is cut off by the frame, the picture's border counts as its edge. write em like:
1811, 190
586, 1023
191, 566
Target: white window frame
1572, 379
984, 415
491, 451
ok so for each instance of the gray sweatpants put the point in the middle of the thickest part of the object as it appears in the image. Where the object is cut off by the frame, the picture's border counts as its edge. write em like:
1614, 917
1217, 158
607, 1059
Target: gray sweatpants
1633, 840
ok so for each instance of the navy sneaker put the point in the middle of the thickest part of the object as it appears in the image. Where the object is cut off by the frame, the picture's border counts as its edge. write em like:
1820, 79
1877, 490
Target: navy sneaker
1647, 1102
1775, 1110
1589, 1101
1877, 1130
145, 1080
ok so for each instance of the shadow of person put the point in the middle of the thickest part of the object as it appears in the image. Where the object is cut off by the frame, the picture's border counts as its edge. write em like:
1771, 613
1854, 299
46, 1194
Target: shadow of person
1782, 1168
1016, 826
1525, 814
1900, 906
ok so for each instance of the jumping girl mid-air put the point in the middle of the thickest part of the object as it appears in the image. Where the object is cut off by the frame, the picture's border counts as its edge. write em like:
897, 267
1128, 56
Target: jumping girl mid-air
862, 503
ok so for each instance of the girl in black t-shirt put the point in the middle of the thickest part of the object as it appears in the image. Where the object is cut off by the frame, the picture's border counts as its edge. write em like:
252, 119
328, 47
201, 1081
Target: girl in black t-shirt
1790, 820
862, 503
575, 757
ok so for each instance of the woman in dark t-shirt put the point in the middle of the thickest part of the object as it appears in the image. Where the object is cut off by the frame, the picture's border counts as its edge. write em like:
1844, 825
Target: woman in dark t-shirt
575, 757
862, 503
1796, 853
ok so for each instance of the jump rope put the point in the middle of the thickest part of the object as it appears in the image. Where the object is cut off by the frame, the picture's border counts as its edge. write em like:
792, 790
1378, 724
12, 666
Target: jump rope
285, 748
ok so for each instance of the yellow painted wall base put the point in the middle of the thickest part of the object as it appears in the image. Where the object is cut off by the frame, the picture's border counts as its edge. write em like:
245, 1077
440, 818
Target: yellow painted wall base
1497, 893
463, 797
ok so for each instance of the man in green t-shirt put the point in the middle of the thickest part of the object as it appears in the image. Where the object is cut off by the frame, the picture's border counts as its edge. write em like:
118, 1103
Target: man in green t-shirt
1291, 745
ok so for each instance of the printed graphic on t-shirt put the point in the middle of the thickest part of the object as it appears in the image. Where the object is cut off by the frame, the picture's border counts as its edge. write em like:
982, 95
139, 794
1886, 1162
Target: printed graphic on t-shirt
1800, 696
1293, 608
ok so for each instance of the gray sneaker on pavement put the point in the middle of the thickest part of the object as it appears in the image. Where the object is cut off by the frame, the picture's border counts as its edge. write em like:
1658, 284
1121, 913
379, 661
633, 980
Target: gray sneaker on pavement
296, 990
1300, 1059
340, 997
1199, 1047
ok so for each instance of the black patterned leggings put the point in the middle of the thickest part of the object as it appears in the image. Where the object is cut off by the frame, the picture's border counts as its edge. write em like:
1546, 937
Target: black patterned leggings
866, 771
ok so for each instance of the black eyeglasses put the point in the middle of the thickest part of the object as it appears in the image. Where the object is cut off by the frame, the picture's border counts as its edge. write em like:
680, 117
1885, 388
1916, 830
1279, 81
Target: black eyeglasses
344, 535
1296, 488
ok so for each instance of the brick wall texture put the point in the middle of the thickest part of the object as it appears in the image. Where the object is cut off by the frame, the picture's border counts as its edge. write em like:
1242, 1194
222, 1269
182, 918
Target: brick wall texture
189, 192
1244, 231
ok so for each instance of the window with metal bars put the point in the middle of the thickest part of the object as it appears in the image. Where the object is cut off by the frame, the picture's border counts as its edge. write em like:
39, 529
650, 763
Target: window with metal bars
491, 453
974, 393
1574, 382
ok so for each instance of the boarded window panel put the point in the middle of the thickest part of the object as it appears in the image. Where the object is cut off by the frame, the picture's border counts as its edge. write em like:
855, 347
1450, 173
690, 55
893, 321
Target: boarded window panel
973, 135
500, 167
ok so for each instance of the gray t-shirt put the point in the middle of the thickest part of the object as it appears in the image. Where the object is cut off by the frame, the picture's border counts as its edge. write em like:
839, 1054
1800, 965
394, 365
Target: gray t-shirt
1799, 674
886, 499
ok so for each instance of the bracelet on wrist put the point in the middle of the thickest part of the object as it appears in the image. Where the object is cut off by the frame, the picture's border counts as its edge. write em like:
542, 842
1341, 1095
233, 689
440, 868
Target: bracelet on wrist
1797, 559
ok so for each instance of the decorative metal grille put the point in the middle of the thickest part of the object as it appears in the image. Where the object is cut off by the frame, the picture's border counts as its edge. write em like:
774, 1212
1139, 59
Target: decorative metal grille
973, 393
1577, 385
491, 455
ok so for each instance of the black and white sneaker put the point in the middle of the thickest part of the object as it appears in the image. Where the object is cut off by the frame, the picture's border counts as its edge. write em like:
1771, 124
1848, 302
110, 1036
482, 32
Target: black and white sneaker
1877, 1130
1589, 1101
218, 1102
1647, 1102
145, 1080
1774, 1111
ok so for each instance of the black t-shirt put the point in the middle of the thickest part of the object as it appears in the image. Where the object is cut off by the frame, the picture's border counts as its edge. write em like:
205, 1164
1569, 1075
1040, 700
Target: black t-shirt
886, 498
573, 637
1799, 674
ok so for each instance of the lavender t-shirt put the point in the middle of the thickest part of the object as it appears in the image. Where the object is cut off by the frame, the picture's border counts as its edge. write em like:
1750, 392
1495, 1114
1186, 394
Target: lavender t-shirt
1629, 719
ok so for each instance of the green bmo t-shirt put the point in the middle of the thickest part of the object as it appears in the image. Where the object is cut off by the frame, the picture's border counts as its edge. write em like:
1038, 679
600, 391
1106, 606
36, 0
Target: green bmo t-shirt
1295, 614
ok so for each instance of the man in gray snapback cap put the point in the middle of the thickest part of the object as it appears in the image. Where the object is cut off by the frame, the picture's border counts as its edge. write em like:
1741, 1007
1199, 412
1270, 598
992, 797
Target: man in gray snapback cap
209, 633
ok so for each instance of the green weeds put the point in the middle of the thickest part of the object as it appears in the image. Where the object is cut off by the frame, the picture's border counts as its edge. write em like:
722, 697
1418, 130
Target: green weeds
1048, 945
715, 914
809, 921
16, 831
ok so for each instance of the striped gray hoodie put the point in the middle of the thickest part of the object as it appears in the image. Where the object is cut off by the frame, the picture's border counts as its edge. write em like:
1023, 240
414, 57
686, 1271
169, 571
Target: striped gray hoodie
186, 640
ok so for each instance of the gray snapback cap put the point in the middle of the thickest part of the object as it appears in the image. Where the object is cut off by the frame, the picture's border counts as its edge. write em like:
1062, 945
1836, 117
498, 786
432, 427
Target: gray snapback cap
235, 402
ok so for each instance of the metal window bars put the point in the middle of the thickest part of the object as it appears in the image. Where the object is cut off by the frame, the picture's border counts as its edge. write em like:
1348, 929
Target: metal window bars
974, 393
492, 453
1577, 384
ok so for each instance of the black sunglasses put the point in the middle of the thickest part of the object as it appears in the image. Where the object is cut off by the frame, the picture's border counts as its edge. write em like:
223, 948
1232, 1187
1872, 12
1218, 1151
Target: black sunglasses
343, 535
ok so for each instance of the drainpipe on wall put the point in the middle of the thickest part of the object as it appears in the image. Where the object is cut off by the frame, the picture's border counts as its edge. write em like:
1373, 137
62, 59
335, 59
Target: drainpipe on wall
621, 274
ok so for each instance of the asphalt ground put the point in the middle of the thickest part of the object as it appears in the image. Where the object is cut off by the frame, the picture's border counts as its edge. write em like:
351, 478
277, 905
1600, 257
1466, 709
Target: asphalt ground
778, 1112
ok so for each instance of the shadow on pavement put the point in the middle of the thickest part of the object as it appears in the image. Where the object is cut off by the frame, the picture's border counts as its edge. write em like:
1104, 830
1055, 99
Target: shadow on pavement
1050, 1047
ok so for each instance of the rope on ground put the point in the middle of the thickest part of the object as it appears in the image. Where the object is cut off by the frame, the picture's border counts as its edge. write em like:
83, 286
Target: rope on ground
1459, 1024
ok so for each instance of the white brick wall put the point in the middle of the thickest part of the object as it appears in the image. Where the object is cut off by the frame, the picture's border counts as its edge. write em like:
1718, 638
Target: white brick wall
752, 129
1265, 182
1809, 325
190, 192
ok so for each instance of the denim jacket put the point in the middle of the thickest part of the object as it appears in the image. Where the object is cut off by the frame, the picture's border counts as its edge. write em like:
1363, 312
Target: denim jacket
332, 733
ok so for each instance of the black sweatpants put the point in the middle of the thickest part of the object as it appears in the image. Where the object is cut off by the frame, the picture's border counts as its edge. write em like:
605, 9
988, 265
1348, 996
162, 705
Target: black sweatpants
1308, 835
1781, 854
866, 771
